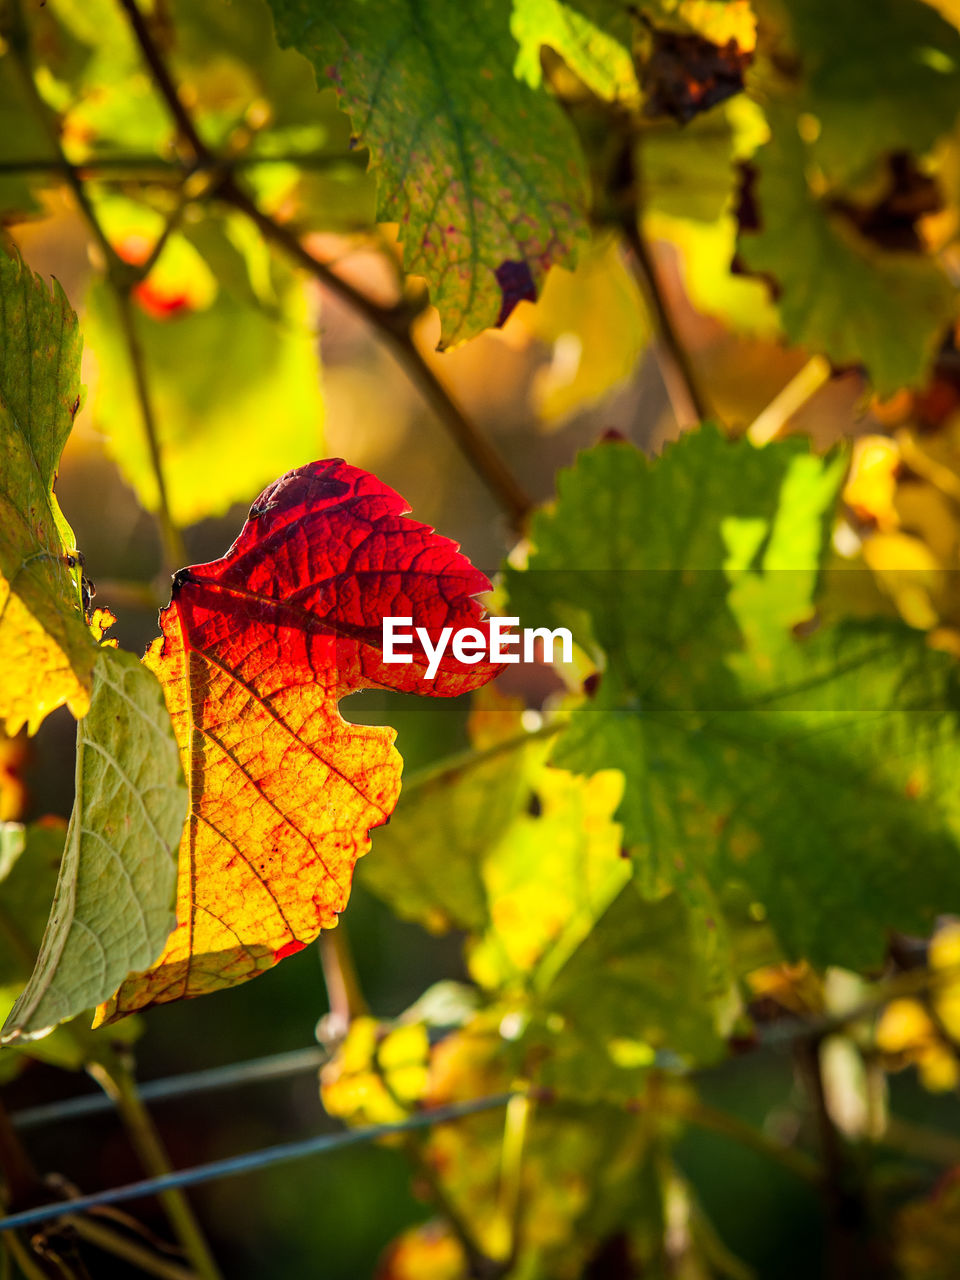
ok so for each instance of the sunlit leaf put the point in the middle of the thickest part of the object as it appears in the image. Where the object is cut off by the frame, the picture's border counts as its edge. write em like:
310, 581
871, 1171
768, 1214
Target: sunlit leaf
235, 389
46, 650
839, 293
29, 861
798, 767
481, 172
257, 649
113, 908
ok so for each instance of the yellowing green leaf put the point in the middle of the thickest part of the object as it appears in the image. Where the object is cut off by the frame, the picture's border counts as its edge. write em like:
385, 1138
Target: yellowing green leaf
548, 878
46, 650
29, 862
596, 323
235, 390
798, 768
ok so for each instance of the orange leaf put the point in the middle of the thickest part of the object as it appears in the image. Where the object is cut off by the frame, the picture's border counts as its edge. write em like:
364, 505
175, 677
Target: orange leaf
257, 649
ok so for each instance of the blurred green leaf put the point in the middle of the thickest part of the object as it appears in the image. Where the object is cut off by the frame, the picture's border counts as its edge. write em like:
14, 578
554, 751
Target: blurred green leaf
235, 390
114, 903
428, 862
875, 76
46, 649
839, 293
799, 767
480, 171
639, 983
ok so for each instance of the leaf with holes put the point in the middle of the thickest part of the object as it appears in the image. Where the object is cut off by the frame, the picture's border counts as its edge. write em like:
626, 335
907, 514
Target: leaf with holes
257, 649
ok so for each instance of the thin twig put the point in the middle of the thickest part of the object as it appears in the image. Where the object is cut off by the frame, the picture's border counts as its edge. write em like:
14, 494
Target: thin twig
852, 1250
344, 996
111, 1241
393, 324
163, 80
120, 1086
686, 399
802, 387
728, 1125
174, 552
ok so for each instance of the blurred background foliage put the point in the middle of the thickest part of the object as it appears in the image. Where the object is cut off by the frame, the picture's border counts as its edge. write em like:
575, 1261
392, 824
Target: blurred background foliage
795, 244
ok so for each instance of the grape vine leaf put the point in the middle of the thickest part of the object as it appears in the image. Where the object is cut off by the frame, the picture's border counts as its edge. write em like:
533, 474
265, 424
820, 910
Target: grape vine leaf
900, 92
548, 878
216, 374
640, 982
113, 907
29, 862
46, 649
800, 768
479, 170
839, 293
257, 649
428, 863
593, 38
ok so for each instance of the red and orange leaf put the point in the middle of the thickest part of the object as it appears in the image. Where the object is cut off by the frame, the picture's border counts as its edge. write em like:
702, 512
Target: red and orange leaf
257, 649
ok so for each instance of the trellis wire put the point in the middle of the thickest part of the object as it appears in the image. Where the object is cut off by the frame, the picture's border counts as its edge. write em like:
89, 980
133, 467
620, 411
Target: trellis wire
274, 1067
252, 1160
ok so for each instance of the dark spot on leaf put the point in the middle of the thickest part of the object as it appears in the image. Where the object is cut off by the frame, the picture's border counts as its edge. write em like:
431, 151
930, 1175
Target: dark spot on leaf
891, 222
591, 684
180, 579
687, 74
534, 805
516, 284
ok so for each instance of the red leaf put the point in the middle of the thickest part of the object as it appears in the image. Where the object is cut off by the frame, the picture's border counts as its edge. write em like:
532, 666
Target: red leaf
257, 649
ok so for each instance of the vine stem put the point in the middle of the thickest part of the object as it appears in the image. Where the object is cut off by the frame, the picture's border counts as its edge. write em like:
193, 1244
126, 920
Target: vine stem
393, 324
119, 1085
686, 399
344, 994
111, 1241
174, 552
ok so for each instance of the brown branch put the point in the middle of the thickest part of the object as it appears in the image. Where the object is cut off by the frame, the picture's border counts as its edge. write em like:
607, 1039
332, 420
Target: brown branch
163, 80
686, 399
393, 324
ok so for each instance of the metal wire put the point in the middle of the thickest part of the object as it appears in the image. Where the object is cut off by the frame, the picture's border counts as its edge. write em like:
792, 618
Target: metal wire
252, 1160
274, 1067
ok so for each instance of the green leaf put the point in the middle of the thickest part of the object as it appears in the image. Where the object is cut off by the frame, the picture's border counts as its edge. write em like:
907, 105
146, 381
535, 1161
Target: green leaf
235, 391
427, 863
548, 877
839, 293
478, 169
22, 138
875, 76
46, 649
114, 902
593, 38
29, 861
798, 768
640, 983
